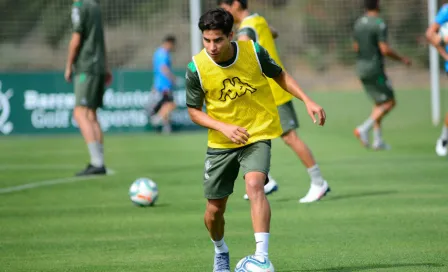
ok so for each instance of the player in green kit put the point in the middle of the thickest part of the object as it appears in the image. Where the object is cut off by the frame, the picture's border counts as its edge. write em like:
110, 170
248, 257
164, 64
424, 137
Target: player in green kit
370, 43
86, 66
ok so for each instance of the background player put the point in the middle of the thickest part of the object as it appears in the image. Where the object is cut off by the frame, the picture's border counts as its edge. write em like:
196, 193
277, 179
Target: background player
370, 43
242, 118
164, 82
87, 56
254, 27
441, 44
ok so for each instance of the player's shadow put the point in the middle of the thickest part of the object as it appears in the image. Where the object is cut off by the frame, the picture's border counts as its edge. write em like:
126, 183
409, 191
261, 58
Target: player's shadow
374, 267
331, 197
359, 195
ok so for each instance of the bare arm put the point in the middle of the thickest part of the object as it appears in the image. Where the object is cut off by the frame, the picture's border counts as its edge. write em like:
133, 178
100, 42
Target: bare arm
290, 85
73, 49
167, 72
435, 40
236, 134
387, 51
355, 47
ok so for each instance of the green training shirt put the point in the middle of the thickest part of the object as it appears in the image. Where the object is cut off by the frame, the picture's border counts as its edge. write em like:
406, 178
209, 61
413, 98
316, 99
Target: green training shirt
87, 21
368, 32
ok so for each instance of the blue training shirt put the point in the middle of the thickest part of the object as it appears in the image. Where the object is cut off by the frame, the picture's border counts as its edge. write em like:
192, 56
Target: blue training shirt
441, 19
161, 57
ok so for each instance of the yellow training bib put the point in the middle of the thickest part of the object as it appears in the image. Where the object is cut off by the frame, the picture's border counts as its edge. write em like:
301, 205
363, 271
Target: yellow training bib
238, 94
265, 39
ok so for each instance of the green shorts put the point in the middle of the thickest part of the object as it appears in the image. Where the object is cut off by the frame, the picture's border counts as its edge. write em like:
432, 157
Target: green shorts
378, 88
222, 168
288, 117
89, 90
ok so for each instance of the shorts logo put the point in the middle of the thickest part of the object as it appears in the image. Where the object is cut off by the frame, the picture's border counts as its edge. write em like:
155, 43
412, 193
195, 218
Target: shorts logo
208, 164
82, 78
234, 88
6, 126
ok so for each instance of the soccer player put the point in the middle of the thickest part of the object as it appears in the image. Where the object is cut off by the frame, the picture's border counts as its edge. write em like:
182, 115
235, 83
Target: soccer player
441, 44
370, 43
86, 63
164, 81
242, 118
254, 27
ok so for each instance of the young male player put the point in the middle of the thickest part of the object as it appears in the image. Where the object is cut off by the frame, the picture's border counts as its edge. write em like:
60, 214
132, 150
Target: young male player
242, 118
164, 81
432, 34
87, 59
255, 27
370, 43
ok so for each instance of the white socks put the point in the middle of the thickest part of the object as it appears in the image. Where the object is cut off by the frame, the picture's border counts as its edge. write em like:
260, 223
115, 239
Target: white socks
262, 241
377, 138
96, 154
444, 135
316, 175
367, 125
220, 246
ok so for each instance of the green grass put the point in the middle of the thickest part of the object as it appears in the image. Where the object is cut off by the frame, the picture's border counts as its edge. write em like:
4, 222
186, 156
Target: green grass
387, 210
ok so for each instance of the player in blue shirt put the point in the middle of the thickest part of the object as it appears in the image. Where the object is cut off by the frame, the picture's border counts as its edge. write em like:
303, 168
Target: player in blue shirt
433, 34
164, 81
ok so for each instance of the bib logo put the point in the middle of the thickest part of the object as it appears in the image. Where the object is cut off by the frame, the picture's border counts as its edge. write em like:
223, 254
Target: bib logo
6, 127
234, 88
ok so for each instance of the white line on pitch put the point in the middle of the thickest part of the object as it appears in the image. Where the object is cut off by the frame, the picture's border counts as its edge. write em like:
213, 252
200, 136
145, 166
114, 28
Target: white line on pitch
50, 183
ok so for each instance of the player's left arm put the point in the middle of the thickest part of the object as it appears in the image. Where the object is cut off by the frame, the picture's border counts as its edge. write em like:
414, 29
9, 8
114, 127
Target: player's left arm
436, 40
271, 69
75, 42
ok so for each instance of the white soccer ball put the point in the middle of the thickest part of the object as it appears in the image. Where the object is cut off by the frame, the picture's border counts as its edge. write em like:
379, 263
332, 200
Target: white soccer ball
254, 263
143, 192
443, 31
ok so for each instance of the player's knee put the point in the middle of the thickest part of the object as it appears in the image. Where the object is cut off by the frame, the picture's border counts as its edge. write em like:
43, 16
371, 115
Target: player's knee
91, 115
290, 137
254, 186
215, 207
80, 113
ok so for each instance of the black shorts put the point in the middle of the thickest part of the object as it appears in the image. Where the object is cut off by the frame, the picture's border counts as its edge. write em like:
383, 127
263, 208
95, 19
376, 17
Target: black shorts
167, 96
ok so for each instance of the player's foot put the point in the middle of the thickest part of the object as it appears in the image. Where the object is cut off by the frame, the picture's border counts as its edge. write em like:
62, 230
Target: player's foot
315, 193
441, 147
92, 170
381, 146
362, 136
222, 262
269, 188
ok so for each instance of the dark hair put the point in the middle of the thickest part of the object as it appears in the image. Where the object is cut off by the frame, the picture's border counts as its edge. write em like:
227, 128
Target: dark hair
243, 3
216, 19
371, 4
170, 38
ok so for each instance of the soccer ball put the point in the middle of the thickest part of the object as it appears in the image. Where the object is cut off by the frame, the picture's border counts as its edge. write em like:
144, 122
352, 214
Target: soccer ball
443, 31
143, 192
254, 263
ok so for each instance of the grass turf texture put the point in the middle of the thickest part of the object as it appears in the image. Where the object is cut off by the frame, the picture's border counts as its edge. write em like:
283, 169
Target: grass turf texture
387, 210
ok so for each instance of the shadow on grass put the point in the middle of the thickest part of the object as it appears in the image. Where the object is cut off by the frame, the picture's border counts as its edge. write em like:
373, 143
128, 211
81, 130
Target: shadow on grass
374, 267
329, 197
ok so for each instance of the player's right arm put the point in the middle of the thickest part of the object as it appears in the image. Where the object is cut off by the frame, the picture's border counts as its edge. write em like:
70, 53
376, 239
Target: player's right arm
75, 43
385, 49
195, 101
432, 34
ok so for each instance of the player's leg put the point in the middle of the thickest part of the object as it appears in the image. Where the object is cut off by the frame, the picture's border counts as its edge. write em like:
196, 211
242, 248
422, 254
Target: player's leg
220, 173
380, 112
165, 112
255, 162
441, 144
86, 92
380, 91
